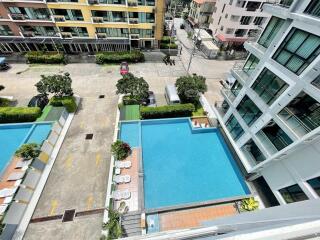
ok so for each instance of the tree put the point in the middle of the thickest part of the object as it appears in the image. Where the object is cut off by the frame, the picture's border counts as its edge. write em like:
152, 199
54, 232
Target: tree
190, 87
58, 85
136, 87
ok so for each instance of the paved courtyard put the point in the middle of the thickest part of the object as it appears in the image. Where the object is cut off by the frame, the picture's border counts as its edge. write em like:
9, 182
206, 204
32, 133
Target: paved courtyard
79, 176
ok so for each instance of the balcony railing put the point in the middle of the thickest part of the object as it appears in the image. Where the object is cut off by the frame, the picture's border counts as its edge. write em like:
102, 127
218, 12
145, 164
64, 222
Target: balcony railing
97, 19
282, 3
132, 3
28, 34
133, 20
17, 16
231, 95
222, 108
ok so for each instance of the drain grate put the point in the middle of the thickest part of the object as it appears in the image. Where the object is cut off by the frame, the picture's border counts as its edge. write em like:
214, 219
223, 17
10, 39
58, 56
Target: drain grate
89, 136
90, 212
101, 96
44, 219
68, 215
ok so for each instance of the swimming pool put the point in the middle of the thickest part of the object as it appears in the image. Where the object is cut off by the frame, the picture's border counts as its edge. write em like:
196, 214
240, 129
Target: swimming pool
14, 135
182, 165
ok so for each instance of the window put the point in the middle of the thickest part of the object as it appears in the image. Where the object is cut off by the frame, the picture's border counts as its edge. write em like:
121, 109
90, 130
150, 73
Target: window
234, 90
316, 82
5, 30
114, 32
250, 64
286, 3
229, 30
302, 114
248, 110
315, 184
313, 8
269, 86
258, 20
245, 20
293, 194
298, 50
270, 31
224, 5
219, 21
252, 152
234, 128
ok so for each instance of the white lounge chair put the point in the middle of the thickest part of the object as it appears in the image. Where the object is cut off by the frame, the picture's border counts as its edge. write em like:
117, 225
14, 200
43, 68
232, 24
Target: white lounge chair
22, 164
117, 171
3, 208
16, 176
195, 124
122, 179
121, 194
7, 192
17, 183
122, 164
7, 200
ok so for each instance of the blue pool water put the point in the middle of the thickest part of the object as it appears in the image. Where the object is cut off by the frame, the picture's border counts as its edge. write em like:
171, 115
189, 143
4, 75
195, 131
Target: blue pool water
183, 166
14, 135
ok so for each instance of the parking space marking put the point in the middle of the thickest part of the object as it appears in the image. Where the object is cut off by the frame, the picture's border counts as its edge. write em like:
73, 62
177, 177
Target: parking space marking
89, 202
98, 159
69, 161
54, 204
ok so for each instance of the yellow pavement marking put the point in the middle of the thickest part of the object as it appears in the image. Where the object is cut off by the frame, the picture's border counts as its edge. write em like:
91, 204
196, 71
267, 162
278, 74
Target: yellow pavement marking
54, 204
98, 159
89, 202
82, 125
69, 161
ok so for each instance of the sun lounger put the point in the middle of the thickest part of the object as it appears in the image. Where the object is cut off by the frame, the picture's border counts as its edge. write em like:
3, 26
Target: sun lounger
22, 164
117, 171
3, 208
122, 179
195, 124
7, 200
7, 192
16, 176
121, 194
123, 164
17, 183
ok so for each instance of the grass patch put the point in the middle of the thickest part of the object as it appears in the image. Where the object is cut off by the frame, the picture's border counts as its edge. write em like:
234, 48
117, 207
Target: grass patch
131, 112
45, 113
199, 112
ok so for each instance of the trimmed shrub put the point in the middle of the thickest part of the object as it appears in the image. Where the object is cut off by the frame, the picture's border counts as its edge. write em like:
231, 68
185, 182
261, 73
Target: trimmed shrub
127, 100
28, 151
171, 111
19, 114
118, 57
167, 45
68, 102
120, 150
45, 57
166, 39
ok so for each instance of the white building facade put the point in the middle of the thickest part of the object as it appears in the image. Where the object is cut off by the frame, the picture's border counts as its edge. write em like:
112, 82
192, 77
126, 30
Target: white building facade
271, 114
236, 21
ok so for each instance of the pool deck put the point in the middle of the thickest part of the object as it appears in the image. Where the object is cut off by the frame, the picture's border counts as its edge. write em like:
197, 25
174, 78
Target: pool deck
133, 185
192, 218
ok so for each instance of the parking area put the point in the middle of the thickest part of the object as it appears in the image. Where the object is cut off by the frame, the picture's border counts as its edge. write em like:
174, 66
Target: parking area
79, 176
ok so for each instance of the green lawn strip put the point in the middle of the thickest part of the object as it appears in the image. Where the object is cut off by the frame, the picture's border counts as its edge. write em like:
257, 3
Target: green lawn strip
45, 113
132, 112
198, 113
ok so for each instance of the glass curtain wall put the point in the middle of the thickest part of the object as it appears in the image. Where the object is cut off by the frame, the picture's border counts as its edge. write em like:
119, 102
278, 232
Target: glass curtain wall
248, 110
270, 31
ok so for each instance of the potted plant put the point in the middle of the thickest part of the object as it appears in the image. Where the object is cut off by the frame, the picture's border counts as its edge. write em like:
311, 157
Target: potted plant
28, 151
249, 204
120, 149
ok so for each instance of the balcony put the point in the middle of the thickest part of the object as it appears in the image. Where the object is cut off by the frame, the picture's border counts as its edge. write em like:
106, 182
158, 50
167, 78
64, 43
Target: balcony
238, 72
132, 3
222, 107
282, 3
28, 34
59, 18
133, 20
231, 95
17, 16
66, 34
134, 36
97, 19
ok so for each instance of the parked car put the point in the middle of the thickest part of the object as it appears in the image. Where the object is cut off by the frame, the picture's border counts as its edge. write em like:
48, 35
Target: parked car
150, 101
124, 68
38, 101
3, 64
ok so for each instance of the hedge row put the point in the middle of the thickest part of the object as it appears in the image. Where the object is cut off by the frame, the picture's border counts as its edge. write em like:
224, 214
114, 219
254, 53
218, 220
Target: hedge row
166, 39
68, 102
45, 57
118, 57
177, 110
19, 114
168, 45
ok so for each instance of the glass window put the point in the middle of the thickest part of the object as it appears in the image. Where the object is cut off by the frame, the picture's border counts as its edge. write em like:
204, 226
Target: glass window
298, 50
250, 64
235, 89
252, 152
293, 194
114, 32
269, 86
248, 110
302, 114
316, 82
313, 8
5, 30
270, 31
234, 127
315, 184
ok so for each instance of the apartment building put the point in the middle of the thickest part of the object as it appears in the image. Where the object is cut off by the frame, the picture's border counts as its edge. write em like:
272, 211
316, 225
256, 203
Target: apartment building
200, 13
236, 21
80, 25
271, 114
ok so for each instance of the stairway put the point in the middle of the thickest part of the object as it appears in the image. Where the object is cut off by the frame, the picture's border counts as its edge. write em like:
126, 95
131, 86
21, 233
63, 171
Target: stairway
131, 224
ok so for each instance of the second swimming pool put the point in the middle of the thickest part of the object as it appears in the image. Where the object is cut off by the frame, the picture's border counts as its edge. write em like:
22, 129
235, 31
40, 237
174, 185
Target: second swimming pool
183, 166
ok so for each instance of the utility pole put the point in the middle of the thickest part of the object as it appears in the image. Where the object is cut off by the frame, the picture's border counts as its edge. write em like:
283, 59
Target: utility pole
193, 50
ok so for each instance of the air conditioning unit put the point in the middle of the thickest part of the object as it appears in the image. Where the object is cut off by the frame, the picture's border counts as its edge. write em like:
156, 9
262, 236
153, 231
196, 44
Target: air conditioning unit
93, 1
59, 18
132, 3
97, 19
66, 35
101, 35
134, 36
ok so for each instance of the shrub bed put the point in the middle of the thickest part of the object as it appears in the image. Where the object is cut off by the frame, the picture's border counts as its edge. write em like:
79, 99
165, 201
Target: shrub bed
68, 102
178, 110
118, 57
166, 39
45, 57
127, 100
19, 114
168, 45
